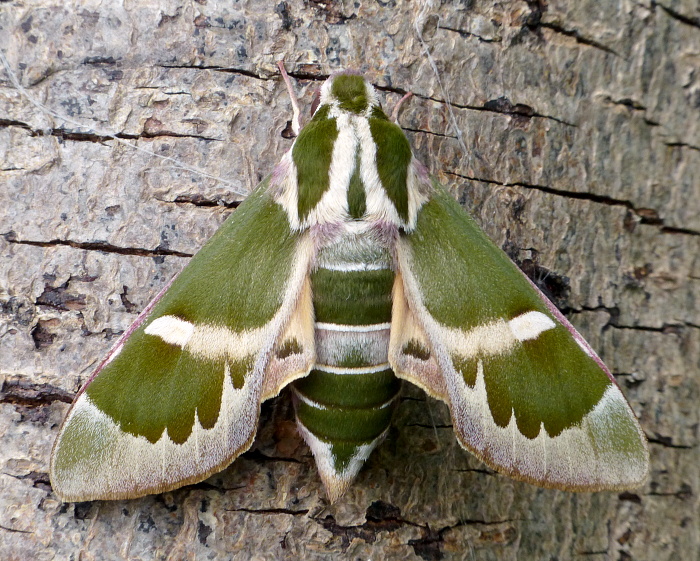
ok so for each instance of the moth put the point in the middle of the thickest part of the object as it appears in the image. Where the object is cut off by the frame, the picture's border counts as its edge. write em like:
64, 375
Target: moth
347, 270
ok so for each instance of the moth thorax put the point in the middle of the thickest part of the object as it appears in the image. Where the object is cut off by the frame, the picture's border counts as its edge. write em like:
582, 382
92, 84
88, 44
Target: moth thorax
351, 162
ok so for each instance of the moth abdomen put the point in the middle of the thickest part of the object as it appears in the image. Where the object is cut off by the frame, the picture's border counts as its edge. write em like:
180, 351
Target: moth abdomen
344, 406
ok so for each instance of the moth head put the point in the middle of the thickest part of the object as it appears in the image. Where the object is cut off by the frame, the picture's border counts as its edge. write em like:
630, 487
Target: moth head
350, 92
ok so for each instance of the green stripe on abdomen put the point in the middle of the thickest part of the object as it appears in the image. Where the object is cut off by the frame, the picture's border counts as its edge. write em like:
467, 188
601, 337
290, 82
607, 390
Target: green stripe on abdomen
352, 297
348, 391
348, 424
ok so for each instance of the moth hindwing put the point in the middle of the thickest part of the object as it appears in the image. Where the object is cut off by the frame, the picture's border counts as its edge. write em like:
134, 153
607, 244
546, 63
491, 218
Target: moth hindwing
347, 269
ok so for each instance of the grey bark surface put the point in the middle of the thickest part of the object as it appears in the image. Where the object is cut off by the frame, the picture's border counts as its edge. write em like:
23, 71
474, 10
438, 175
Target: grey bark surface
570, 130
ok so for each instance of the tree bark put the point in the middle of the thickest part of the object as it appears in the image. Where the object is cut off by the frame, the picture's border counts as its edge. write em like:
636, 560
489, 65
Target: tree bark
570, 130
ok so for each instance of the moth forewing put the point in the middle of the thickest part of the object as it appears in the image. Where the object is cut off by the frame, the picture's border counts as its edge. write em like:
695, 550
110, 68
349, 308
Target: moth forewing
527, 395
180, 398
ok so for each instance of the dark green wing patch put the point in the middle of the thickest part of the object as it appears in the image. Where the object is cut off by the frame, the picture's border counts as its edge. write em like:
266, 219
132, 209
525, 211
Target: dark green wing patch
288, 348
477, 282
153, 386
538, 390
250, 257
415, 349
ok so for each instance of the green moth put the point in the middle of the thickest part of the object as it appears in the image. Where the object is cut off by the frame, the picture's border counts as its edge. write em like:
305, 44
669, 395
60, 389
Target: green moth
347, 270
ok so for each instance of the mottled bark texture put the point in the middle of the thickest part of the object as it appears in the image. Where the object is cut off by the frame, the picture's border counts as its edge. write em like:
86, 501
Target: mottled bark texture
570, 129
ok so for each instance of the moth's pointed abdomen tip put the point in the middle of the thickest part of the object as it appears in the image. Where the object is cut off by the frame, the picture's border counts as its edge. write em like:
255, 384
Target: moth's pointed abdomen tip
335, 486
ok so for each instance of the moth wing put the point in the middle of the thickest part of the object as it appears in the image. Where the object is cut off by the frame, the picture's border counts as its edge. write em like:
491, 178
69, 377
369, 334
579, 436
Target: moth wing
527, 394
178, 397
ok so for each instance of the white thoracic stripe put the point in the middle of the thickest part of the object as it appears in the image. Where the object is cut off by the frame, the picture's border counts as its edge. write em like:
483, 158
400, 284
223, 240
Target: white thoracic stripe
360, 328
352, 266
352, 371
332, 208
378, 205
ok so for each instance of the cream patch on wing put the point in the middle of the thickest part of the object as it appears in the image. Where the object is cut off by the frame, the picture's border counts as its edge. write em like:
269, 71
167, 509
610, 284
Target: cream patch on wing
497, 337
530, 325
206, 341
172, 330
293, 322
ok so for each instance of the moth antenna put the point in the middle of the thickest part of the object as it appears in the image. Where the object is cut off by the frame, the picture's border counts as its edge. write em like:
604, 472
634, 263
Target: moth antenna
395, 112
48, 111
418, 23
296, 112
